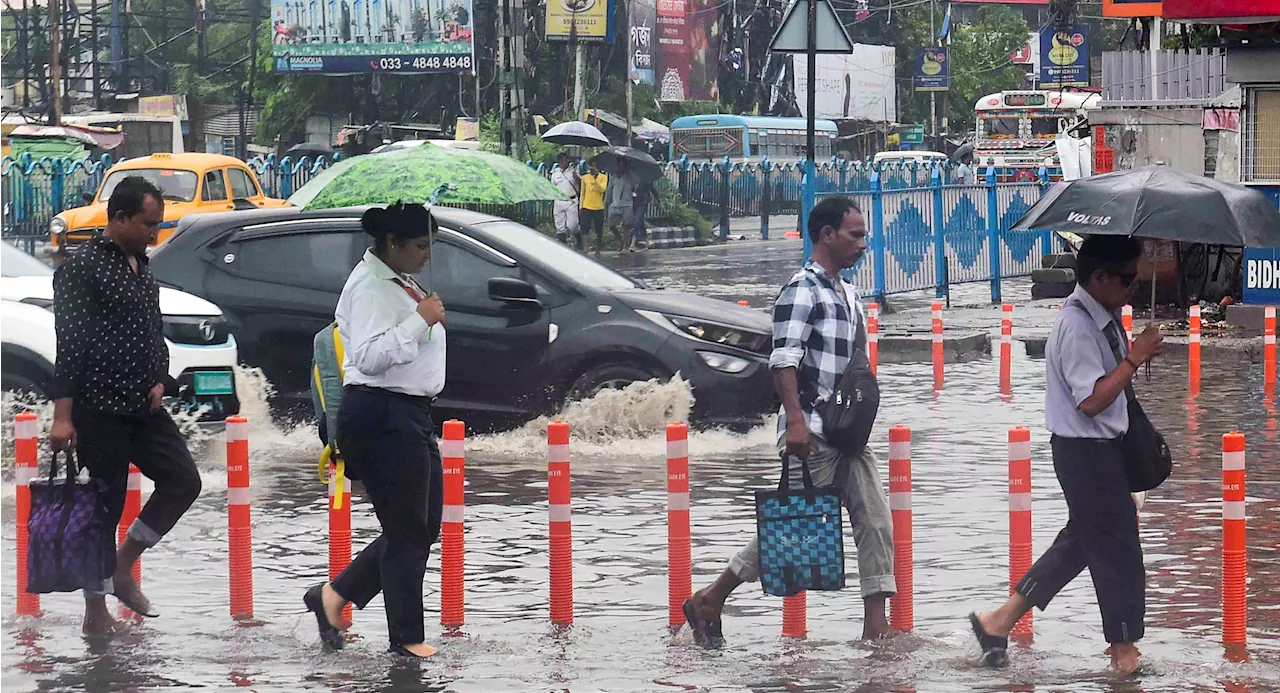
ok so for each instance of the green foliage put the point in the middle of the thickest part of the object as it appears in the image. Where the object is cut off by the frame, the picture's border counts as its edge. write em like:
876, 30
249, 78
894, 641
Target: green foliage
980, 60
676, 212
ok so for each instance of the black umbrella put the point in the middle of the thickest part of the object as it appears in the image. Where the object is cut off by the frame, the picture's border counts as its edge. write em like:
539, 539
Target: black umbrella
1158, 202
645, 167
310, 149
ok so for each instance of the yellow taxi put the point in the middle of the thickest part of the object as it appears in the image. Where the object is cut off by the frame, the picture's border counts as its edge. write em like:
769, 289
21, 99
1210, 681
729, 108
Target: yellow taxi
190, 184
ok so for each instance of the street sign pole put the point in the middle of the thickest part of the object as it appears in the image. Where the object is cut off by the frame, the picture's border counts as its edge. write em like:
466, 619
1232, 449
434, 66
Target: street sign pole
810, 169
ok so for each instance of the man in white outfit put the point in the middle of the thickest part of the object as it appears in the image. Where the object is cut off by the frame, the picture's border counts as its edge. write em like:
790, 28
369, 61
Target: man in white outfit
565, 177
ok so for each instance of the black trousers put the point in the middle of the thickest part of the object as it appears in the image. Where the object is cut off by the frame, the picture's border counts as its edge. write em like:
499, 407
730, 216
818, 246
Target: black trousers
1101, 533
107, 443
389, 442
589, 219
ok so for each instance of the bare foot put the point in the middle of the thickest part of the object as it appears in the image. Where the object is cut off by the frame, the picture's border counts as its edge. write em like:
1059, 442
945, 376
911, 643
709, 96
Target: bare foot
97, 619
705, 607
880, 631
1124, 658
420, 649
333, 603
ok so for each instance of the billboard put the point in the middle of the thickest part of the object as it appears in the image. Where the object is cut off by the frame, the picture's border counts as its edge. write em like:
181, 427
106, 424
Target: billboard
1064, 57
1262, 275
931, 69
585, 20
704, 45
860, 85
674, 54
345, 36
1132, 8
642, 20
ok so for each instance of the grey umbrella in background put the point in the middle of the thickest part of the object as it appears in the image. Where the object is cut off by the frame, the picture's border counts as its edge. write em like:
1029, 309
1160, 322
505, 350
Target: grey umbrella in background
576, 133
645, 167
1158, 202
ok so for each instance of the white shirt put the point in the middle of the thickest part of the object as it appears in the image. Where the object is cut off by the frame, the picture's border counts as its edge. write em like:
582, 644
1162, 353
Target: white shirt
388, 345
564, 179
1078, 355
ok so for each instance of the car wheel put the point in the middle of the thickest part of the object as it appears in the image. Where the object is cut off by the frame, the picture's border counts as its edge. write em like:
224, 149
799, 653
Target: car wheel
22, 379
607, 376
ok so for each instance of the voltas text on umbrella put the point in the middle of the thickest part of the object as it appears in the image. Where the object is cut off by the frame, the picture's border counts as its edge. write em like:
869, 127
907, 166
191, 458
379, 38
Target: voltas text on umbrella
1088, 219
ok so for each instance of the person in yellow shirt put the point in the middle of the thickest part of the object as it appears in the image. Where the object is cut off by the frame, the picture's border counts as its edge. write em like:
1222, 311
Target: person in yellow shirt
594, 184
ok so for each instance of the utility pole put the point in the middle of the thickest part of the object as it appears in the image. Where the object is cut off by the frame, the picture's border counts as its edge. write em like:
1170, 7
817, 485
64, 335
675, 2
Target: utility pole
631, 57
97, 62
55, 62
579, 66
24, 38
504, 79
1154, 48
933, 95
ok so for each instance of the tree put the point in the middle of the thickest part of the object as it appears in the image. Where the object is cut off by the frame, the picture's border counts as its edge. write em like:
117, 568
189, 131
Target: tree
981, 63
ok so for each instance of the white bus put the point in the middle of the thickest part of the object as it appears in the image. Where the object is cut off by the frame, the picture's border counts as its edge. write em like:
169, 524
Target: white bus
144, 135
1015, 130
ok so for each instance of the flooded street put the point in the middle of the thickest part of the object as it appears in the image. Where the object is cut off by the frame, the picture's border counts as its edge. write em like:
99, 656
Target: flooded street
619, 640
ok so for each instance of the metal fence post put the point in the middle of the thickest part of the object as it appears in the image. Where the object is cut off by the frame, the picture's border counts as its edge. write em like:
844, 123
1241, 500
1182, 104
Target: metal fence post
57, 185
806, 205
941, 277
285, 185
877, 236
766, 197
1046, 236
844, 175
993, 233
682, 177
724, 199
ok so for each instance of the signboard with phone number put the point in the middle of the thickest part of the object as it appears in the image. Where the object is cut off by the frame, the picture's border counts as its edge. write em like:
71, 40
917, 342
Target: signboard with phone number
1262, 276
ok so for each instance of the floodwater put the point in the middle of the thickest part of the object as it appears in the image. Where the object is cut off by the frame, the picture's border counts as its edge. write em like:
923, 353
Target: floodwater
619, 640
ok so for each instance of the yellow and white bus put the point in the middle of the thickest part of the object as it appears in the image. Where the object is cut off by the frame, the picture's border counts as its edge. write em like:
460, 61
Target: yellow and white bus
1015, 130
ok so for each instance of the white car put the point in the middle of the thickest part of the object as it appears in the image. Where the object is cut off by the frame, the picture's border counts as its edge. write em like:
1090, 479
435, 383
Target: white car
202, 351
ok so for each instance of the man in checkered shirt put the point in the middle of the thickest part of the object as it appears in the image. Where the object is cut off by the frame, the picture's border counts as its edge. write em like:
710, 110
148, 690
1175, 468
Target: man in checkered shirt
816, 322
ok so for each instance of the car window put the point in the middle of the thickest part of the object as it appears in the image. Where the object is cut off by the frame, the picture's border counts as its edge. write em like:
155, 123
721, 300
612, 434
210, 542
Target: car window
15, 263
462, 276
175, 185
567, 262
242, 187
320, 260
215, 186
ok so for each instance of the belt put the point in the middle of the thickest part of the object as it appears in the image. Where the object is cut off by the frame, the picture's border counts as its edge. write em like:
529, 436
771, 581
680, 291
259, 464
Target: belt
416, 399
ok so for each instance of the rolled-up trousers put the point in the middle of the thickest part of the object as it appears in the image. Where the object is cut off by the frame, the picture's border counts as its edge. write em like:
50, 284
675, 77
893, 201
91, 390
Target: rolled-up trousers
1101, 534
388, 441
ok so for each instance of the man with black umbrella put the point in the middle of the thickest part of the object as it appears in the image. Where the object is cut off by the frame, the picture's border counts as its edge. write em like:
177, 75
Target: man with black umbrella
1086, 409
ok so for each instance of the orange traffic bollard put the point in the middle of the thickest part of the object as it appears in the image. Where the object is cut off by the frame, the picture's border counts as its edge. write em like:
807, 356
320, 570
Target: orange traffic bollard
1193, 347
744, 303
1269, 347
452, 565
795, 616
1126, 319
239, 532
1019, 515
561, 524
938, 355
339, 527
679, 553
25, 433
1234, 551
1006, 348
873, 335
901, 610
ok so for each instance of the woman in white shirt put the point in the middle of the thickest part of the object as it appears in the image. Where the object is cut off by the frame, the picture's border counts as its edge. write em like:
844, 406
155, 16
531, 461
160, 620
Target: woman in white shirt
393, 369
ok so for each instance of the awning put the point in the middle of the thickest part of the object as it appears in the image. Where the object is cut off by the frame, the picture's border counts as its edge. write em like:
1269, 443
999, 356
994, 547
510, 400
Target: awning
1222, 11
102, 138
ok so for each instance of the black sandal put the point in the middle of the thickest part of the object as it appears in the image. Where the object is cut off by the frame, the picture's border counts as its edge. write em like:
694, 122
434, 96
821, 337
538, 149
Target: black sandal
706, 633
995, 649
329, 635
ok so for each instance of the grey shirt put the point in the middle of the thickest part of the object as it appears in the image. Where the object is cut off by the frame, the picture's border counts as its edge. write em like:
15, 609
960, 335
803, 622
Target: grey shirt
1078, 356
620, 193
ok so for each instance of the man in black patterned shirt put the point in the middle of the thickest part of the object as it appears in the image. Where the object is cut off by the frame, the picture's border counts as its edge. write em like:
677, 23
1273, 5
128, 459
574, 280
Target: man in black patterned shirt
111, 373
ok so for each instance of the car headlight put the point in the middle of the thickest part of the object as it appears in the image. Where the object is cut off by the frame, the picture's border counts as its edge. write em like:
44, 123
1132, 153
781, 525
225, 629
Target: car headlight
724, 362
724, 335
57, 227
201, 330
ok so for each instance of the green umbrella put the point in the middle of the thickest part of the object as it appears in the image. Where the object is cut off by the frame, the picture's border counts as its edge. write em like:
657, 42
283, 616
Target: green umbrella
412, 175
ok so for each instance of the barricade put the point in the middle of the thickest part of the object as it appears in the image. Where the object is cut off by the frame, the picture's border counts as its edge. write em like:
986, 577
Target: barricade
239, 531
26, 464
901, 611
1006, 349
452, 565
339, 528
795, 616
132, 506
561, 526
873, 335
1019, 515
938, 354
1234, 552
1193, 348
679, 552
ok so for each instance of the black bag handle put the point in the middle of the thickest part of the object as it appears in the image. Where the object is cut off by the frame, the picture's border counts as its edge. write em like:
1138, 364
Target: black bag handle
784, 483
68, 497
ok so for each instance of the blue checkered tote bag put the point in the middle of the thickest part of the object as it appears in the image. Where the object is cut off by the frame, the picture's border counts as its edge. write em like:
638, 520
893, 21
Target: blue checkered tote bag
801, 540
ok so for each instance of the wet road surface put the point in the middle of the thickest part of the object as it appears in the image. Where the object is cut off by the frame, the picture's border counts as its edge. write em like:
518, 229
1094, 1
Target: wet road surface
619, 640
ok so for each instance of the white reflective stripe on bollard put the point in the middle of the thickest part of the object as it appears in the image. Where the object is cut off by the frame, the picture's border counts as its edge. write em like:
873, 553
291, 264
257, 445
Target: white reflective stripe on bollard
1019, 450
677, 501
1232, 461
452, 513
561, 512
237, 430
135, 481
452, 448
900, 500
238, 496
558, 453
23, 475
1233, 510
677, 449
1019, 502
28, 428
900, 450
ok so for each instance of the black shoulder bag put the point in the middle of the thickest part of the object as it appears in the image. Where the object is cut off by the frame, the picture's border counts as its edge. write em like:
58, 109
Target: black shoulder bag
850, 412
1147, 459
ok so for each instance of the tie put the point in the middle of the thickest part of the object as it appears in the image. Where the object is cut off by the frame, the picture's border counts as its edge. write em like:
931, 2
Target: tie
1112, 331
410, 289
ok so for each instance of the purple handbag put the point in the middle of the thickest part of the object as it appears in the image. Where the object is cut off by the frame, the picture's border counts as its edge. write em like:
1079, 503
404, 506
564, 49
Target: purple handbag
71, 543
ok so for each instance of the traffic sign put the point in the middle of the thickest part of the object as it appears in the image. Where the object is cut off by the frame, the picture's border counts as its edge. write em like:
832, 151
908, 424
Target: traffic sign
793, 34
911, 134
